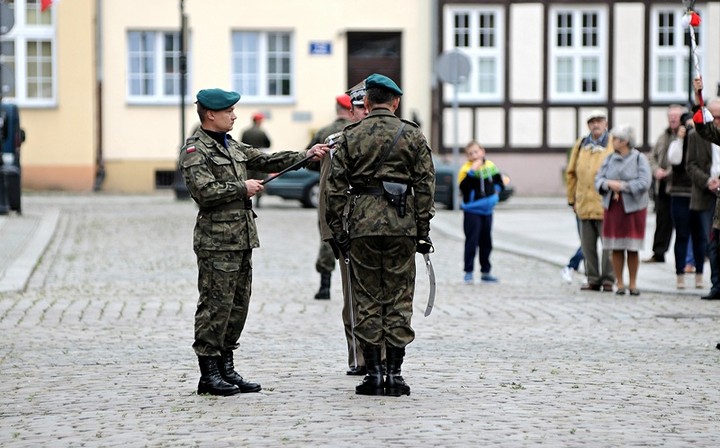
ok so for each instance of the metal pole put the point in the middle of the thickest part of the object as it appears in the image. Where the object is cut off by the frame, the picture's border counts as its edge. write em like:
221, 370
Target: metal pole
181, 191
456, 148
183, 71
691, 91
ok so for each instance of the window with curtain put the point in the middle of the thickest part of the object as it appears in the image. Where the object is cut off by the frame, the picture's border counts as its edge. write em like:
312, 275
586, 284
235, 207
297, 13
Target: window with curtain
670, 54
578, 51
262, 65
154, 67
477, 31
28, 74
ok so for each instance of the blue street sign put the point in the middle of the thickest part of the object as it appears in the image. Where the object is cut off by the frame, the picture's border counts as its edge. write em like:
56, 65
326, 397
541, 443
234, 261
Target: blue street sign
321, 47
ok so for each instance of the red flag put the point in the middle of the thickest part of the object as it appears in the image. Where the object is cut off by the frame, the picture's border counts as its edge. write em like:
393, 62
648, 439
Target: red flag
45, 4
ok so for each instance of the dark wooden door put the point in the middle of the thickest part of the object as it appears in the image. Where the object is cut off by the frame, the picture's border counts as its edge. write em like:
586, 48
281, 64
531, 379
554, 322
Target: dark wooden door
374, 52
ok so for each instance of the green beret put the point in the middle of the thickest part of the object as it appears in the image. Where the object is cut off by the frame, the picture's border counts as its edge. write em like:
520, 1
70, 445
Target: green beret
382, 82
217, 99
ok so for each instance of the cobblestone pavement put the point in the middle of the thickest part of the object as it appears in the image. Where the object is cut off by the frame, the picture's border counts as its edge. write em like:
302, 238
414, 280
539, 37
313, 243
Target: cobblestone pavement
97, 348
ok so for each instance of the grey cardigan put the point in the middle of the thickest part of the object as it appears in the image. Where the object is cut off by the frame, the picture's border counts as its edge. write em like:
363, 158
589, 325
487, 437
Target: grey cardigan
634, 171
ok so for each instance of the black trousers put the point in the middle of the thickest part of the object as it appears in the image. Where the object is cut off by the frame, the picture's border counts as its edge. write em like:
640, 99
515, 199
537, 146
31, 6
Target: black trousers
663, 226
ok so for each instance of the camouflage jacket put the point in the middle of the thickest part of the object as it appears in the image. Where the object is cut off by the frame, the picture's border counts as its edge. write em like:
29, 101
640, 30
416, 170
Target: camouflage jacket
321, 136
215, 177
358, 148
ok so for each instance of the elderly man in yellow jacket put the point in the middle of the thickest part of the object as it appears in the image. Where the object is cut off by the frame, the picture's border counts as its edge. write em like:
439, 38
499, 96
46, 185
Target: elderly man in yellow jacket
586, 157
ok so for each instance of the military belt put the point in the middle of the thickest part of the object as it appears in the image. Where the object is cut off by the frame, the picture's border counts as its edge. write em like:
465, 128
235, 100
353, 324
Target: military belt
373, 191
370, 191
232, 205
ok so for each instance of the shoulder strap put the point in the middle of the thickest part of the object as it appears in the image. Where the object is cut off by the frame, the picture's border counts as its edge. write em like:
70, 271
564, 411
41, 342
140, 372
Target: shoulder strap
386, 152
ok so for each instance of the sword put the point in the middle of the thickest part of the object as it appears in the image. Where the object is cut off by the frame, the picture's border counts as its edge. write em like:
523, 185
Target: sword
431, 278
294, 166
351, 305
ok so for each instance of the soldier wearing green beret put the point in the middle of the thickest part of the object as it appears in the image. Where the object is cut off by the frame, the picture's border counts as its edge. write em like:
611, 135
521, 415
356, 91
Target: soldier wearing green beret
215, 168
386, 165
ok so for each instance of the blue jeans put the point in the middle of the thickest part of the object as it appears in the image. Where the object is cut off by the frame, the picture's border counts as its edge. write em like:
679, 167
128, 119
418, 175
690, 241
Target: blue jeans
578, 258
711, 238
687, 224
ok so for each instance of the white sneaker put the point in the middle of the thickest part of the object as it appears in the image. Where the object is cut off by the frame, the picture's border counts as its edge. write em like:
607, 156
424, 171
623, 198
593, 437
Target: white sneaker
567, 274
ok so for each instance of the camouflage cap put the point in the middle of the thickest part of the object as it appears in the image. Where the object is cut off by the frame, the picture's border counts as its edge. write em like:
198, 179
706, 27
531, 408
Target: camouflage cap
217, 99
357, 93
382, 82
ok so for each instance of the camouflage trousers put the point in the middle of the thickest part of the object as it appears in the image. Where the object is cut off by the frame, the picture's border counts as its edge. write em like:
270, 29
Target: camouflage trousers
383, 285
325, 262
224, 283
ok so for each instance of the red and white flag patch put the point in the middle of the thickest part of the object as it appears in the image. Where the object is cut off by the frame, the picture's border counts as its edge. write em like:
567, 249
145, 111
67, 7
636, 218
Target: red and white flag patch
190, 149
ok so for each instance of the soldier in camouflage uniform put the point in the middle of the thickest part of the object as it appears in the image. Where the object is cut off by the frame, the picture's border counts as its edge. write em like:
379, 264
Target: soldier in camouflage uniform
356, 363
381, 239
325, 262
215, 170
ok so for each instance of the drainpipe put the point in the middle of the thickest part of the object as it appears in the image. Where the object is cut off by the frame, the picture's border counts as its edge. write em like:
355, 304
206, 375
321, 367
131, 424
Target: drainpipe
99, 160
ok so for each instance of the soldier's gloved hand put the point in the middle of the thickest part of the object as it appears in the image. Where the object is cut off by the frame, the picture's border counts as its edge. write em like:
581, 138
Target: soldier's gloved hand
335, 249
424, 245
342, 241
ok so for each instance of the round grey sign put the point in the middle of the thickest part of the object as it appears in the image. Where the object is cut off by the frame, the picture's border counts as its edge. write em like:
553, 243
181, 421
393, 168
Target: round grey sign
7, 18
453, 67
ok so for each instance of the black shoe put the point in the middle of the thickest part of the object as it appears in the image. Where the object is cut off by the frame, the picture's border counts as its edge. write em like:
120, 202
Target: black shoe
356, 371
711, 296
395, 385
590, 287
324, 291
211, 382
654, 259
228, 373
372, 384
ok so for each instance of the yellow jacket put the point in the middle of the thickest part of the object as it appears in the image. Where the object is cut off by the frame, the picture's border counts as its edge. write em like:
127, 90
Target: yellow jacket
583, 165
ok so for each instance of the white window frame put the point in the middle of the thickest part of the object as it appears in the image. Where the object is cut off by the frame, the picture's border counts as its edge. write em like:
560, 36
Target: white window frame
263, 95
678, 53
469, 91
577, 54
158, 52
20, 35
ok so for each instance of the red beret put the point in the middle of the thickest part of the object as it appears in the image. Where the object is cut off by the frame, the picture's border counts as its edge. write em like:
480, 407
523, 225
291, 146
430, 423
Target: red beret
258, 116
344, 101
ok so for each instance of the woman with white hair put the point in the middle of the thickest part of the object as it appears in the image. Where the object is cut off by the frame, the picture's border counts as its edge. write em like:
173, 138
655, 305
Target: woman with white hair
623, 180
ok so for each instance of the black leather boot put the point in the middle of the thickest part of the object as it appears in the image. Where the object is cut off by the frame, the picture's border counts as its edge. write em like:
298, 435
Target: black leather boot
372, 384
227, 370
324, 291
211, 382
394, 383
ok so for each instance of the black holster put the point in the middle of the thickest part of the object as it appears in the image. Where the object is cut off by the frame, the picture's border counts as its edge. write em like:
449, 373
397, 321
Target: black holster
396, 194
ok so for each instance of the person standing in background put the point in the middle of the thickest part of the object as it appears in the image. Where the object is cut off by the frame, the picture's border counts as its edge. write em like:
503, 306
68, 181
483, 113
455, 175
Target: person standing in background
661, 170
256, 137
689, 238
586, 157
707, 125
325, 262
480, 184
623, 180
